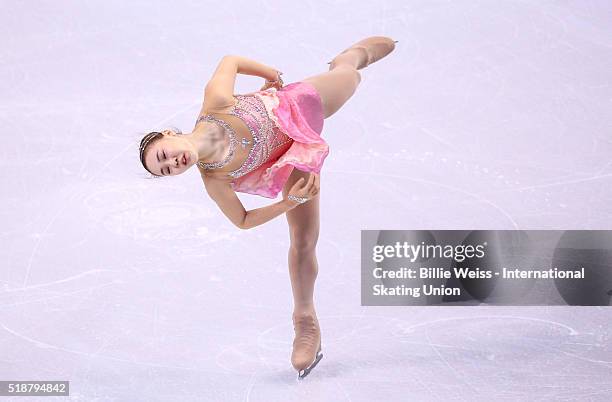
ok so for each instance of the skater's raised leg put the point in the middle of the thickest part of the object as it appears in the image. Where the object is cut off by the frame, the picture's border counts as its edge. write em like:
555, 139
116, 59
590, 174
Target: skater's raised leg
337, 85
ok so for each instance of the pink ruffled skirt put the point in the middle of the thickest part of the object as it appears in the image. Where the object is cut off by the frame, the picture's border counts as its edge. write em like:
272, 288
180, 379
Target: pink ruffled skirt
297, 111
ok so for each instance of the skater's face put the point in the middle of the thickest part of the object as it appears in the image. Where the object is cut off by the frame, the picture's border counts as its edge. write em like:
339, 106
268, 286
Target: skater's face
170, 155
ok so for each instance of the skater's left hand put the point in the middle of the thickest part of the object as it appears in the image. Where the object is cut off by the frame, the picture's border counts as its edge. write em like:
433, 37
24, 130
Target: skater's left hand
278, 83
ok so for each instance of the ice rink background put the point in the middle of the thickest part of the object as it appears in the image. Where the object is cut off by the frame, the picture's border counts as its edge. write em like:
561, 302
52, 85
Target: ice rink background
488, 115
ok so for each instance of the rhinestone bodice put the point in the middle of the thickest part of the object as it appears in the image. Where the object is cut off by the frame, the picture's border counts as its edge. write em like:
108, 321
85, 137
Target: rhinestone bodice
267, 136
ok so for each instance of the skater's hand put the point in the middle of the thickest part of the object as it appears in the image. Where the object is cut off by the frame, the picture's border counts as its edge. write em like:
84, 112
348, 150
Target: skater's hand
278, 83
305, 188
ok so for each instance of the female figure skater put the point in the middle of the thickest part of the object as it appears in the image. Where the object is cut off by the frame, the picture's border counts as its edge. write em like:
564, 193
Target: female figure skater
260, 143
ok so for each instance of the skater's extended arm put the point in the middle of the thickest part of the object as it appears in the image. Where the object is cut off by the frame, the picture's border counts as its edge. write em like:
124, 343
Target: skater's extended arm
251, 67
219, 90
229, 203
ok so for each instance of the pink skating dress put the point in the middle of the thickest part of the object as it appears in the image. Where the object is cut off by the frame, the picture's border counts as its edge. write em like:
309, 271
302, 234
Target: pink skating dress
290, 118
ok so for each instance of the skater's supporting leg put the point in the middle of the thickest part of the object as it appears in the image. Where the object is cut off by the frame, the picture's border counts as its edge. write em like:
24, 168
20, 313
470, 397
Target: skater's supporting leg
303, 269
304, 233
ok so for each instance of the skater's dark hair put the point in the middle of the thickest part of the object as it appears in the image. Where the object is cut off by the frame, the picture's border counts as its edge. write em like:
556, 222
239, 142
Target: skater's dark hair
148, 140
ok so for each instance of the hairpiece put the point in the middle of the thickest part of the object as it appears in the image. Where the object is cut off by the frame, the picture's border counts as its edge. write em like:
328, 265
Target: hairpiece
144, 144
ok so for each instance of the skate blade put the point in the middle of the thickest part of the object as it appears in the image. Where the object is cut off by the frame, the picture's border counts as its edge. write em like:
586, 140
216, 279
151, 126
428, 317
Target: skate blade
303, 373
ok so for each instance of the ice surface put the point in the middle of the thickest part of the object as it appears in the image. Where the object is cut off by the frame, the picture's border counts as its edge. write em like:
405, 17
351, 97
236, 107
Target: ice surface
492, 115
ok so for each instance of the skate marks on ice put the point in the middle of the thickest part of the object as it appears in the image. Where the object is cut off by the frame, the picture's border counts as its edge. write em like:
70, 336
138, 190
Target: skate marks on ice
463, 352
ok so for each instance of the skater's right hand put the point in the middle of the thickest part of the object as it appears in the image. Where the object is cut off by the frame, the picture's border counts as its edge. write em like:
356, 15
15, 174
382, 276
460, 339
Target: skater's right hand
305, 189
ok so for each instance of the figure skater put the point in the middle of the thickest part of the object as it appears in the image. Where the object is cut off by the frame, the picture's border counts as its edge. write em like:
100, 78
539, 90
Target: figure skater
264, 142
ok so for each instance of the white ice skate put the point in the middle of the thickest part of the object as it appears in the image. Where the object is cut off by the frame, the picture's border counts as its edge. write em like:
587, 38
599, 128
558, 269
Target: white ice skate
304, 372
306, 345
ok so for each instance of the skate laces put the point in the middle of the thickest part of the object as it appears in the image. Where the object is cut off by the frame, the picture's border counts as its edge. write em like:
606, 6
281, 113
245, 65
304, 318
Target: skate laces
306, 330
